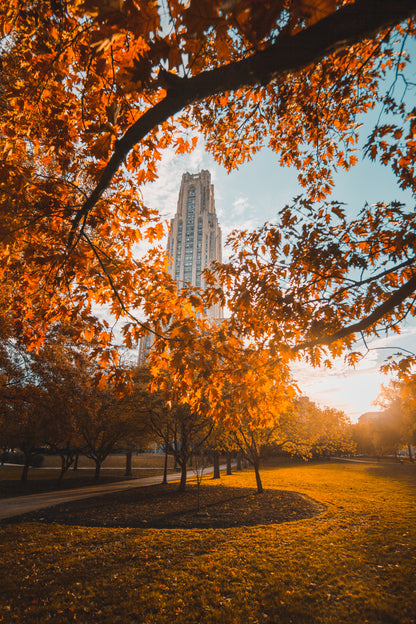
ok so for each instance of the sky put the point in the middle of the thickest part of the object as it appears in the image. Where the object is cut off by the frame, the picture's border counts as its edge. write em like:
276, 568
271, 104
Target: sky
253, 194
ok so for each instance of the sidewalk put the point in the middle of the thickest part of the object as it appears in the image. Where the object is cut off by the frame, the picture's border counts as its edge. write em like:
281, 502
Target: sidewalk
10, 507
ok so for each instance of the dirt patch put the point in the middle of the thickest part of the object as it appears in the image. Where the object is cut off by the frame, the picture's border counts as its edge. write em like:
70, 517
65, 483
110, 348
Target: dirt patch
163, 506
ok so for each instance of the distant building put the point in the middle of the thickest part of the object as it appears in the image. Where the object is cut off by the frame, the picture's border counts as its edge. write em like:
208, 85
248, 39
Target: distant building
369, 417
194, 240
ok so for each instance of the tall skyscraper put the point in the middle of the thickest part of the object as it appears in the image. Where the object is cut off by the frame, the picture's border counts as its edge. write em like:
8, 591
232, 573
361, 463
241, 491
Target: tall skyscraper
195, 236
194, 240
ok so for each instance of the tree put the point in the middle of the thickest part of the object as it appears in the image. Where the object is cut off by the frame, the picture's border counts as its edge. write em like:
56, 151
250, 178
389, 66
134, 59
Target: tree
57, 369
301, 429
308, 430
25, 427
408, 405
63, 405
135, 406
106, 420
184, 434
89, 92
362, 433
334, 434
37, 399
256, 395
14, 375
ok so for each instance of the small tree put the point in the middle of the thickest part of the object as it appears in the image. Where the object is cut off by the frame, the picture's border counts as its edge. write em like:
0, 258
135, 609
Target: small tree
188, 434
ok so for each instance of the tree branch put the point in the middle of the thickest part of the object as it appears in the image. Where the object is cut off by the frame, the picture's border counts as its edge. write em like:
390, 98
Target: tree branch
352, 23
387, 306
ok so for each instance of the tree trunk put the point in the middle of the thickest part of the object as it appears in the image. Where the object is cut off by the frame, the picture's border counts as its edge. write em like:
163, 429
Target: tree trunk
165, 467
97, 469
182, 484
198, 499
128, 472
229, 457
256, 465
409, 446
67, 458
63, 469
239, 465
216, 474
25, 470
75, 468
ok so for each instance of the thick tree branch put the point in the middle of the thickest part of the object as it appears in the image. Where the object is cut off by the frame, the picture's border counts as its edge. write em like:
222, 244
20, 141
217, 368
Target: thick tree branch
353, 284
387, 306
347, 26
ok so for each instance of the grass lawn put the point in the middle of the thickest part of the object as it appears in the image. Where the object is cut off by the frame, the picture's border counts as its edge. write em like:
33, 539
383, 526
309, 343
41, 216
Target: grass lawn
44, 479
353, 563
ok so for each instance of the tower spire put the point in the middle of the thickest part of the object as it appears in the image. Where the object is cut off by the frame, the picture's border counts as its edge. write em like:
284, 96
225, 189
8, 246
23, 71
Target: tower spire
195, 235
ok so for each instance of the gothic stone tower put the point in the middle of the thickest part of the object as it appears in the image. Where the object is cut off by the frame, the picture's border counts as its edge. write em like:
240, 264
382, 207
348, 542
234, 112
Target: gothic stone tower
195, 236
194, 240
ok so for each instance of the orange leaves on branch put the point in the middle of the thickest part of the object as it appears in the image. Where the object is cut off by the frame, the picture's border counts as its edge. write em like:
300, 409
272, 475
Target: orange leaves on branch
313, 292
87, 106
183, 146
102, 146
155, 232
101, 9
199, 16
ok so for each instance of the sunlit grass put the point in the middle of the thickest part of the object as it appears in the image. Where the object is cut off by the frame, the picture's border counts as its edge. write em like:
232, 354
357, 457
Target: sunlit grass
354, 563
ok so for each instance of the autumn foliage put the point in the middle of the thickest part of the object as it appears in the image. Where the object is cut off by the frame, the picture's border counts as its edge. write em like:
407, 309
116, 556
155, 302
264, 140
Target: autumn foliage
92, 92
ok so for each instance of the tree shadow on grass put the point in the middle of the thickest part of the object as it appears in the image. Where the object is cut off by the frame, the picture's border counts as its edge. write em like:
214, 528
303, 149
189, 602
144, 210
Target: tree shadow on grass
163, 506
396, 471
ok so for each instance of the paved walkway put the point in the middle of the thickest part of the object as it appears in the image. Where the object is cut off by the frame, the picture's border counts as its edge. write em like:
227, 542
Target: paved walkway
10, 507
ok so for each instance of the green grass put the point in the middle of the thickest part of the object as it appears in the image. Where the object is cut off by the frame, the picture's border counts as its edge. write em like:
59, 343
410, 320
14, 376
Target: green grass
354, 563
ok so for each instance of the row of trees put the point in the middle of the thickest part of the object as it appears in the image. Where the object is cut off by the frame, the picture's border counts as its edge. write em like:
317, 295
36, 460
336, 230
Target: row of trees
57, 400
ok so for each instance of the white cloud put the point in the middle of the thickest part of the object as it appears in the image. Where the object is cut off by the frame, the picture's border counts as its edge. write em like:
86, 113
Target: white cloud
240, 206
162, 194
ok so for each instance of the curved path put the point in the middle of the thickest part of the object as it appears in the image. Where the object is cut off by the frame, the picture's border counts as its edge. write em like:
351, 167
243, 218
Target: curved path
10, 507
